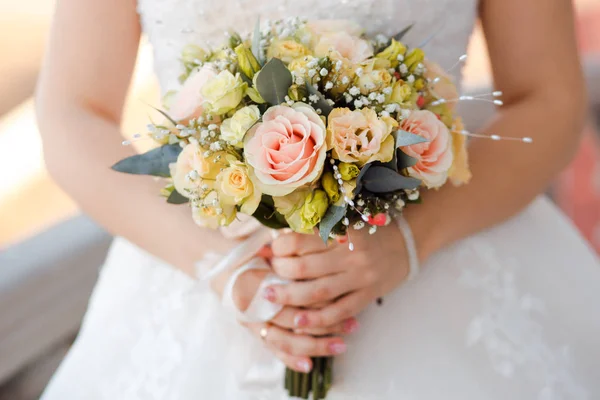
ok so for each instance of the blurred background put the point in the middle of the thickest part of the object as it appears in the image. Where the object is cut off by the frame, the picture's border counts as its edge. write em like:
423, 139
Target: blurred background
50, 254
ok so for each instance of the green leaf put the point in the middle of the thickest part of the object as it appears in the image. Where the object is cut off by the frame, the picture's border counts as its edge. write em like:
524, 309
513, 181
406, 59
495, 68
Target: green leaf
359, 178
266, 215
322, 103
398, 37
404, 161
256, 42
273, 82
177, 198
331, 218
155, 162
380, 179
404, 138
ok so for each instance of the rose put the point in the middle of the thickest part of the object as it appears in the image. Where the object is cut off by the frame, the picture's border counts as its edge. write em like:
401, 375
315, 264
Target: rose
194, 169
444, 87
236, 188
359, 136
343, 45
434, 158
224, 92
286, 50
188, 102
374, 76
287, 150
233, 129
330, 186
401, 93
192, 54
413, 59
302, 209
392, 52
211, 212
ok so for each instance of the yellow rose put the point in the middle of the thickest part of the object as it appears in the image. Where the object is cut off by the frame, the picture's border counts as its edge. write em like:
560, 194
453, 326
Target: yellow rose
392, 52
401, 93
314, 208
286, 50
373, 78
236, 188
290, 206
224, 92
331, 186
193, 169
348, 171
414, 58
298, 65
359, 136
233, 129
210, 212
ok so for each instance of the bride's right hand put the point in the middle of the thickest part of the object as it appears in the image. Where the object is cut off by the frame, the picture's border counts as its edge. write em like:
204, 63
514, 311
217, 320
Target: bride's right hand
294, 348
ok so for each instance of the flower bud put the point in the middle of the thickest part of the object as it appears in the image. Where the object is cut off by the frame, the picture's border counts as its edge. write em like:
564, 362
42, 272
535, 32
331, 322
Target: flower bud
297, 92
392, 52
192, 54
348, 171
414, 58
331, 186
401, 92
248, 64
314, 208
419, 84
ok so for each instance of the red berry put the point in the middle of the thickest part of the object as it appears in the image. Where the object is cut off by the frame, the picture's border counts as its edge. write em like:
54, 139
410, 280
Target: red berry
341, 239
397, 75
378, 220
439, 116
420, 101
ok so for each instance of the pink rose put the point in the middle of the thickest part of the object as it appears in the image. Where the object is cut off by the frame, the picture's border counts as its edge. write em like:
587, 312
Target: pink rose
434, 158
345, 45
287, 150
188, 102
321, 27
444, 88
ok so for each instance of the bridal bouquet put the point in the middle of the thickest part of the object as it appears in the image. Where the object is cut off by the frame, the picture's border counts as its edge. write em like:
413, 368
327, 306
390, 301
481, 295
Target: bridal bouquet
307, 125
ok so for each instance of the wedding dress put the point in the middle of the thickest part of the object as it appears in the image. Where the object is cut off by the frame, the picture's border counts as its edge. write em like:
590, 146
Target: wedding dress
510, 313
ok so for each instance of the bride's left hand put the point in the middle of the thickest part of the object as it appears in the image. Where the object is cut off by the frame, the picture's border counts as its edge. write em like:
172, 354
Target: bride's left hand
348, 280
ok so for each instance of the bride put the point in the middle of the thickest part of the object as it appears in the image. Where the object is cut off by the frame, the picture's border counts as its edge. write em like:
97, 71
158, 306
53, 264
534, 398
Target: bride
505, 307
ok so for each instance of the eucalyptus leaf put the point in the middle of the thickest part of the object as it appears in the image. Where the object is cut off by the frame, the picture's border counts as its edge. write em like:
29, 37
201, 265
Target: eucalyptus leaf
380, 179
359, 178
273, 82
266, 215
331, 218
398, 37
256, 43
177, 198
155, 162
404, 161
322, 103
404, 138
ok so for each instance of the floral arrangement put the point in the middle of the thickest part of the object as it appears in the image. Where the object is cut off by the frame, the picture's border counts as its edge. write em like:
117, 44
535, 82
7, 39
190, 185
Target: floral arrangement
308, 125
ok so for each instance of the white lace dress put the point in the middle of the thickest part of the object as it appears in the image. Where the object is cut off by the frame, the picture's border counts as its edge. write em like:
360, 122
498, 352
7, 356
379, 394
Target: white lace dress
511, 313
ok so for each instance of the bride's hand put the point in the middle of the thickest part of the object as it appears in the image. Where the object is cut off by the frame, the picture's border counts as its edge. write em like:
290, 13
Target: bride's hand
350, 280
294, 348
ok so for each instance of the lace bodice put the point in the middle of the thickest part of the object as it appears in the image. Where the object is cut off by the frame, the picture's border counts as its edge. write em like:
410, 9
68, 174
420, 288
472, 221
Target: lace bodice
172, 24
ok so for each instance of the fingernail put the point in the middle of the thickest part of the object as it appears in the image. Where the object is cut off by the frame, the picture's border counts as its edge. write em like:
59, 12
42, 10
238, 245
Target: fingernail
303, 366
300, 320
337, 348
269, 294
351, 325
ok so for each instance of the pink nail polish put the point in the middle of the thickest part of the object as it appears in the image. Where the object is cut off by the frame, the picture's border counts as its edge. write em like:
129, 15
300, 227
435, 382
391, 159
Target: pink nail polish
269, 294
300, 320
351, 326
337, 348
303, 366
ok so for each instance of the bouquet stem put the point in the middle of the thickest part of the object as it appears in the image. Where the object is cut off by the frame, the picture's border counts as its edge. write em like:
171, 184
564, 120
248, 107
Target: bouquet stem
318, 381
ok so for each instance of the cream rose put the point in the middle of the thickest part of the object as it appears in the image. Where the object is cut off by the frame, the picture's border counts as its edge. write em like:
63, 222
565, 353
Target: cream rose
233, 129
374, 77
223, 92
345, 45
236, 188
360, 136
188, 103
210, 212
193, 169
286, 50
434, 158
287, 150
